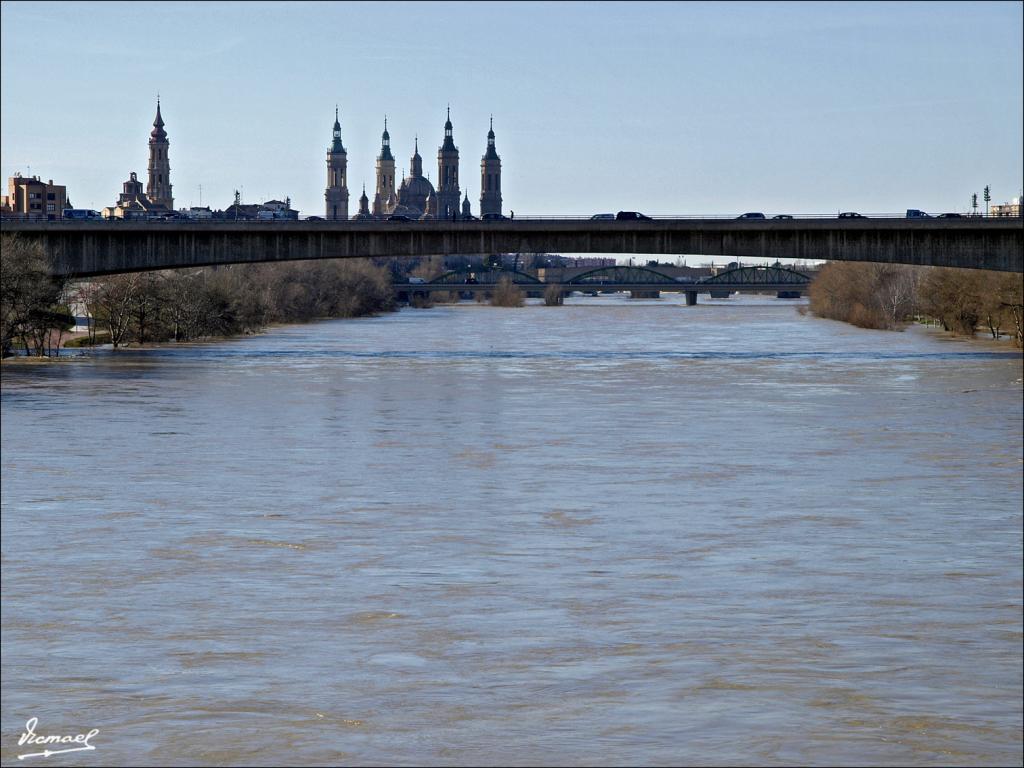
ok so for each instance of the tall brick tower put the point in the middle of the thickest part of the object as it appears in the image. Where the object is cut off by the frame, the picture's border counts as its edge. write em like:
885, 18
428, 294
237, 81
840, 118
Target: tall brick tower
448, 197
336, 195
158, 190
490, 177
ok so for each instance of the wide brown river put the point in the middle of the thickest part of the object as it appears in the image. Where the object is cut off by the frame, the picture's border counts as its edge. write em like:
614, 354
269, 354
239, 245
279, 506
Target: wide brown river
613, 532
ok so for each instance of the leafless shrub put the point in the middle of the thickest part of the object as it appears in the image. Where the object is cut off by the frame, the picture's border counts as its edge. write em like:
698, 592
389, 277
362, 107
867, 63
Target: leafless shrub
507, 294
554, 296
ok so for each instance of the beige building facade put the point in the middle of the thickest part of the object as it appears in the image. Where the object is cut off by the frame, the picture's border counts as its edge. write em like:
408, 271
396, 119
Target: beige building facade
1011, 208
30, 197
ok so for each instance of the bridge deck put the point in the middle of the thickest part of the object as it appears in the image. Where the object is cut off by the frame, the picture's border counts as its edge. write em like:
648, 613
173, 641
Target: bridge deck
82, 248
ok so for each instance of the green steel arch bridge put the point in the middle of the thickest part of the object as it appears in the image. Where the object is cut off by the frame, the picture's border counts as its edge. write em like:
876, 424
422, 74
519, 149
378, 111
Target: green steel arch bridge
640, 281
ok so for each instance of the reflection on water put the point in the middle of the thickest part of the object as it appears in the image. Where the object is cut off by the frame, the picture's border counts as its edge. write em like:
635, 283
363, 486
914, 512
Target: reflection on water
610, 532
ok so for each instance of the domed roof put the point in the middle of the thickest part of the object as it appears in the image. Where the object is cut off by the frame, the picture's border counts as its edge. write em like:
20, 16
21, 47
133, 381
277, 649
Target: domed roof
418, 186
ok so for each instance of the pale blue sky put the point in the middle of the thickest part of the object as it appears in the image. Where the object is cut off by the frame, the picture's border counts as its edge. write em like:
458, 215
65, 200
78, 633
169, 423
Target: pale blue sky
663, 107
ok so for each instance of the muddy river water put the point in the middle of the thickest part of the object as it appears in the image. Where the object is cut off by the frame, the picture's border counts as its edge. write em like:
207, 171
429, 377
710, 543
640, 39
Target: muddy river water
612, 532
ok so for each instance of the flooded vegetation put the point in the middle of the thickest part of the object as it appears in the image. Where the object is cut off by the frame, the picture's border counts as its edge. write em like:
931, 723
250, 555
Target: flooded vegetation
609, 532
887, 296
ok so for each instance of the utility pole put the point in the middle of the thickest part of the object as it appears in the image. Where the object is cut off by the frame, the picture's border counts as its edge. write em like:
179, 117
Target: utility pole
987, 197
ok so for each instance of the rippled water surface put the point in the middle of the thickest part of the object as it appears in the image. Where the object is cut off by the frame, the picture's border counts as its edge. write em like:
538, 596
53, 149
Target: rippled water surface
612, 532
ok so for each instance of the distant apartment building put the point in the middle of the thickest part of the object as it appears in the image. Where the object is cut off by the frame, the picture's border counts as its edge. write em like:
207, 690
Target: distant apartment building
29, 197
588, 261
1011, 208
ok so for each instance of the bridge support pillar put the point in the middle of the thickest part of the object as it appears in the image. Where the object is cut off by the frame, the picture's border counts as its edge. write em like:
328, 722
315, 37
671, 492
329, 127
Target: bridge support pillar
691, 298
645, 294
788, 295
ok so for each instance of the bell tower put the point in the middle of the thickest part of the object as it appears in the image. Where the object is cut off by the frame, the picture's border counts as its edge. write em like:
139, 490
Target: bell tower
384, 198
158, 190
336, 195
448, 197
490, 177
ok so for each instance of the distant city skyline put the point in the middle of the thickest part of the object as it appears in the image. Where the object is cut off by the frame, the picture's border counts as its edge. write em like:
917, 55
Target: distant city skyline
663, 108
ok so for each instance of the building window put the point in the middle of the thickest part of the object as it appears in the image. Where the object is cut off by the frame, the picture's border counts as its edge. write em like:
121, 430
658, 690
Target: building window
33, 195
35, 206
51, 196
50, 207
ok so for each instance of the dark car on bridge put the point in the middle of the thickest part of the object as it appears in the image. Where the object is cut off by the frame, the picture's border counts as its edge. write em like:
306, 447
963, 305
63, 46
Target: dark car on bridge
752, 215
914, 213
782, 216
493, 217
631, 216
949, 216
851, 215
398, 217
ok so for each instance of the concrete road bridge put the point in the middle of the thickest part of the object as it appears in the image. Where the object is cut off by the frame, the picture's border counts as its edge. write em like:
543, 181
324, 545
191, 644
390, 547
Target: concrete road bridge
84, 248
641, 282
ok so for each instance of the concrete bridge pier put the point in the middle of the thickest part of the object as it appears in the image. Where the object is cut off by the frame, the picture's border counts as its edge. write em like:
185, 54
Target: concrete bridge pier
645, 294
788, 295
691, 298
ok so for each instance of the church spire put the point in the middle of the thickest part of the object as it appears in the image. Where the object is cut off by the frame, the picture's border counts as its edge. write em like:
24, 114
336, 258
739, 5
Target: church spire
416, 160
336, 145
385, 143
491, 153
158, 131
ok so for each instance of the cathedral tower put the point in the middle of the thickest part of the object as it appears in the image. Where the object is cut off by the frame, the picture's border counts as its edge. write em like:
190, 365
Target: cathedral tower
490, 177
336, 194
384, 200
448, 197
158, 190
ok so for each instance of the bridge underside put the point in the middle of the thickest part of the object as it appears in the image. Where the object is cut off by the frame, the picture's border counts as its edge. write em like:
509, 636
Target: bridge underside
80, 249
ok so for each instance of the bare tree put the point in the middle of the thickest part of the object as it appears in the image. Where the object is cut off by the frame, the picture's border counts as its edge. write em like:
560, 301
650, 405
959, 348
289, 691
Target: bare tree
29, 297
114, 302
